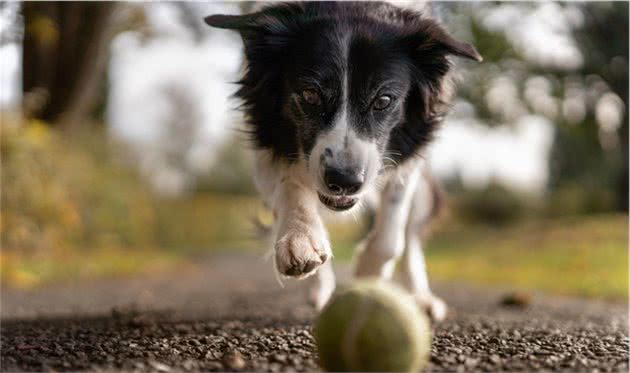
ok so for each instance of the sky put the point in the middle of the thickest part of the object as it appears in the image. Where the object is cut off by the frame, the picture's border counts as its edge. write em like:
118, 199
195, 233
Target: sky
10, 81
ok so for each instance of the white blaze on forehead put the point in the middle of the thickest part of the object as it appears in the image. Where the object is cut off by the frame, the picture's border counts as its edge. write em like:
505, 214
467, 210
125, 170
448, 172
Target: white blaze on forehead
337, 137
341, 124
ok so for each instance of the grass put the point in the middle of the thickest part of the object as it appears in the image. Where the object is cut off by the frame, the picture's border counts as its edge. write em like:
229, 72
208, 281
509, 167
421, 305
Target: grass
581, 255
28, 272
585, 256
208, 222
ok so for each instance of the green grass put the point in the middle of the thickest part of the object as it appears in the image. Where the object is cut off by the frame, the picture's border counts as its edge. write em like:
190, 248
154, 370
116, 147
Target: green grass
580, 255
208, 222
27, 272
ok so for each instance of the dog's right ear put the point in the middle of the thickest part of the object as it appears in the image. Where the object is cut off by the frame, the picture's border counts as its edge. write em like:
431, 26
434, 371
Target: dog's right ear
272, 19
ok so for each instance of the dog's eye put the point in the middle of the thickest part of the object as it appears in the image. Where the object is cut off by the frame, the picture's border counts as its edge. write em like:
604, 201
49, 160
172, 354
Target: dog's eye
382, 102
311, 96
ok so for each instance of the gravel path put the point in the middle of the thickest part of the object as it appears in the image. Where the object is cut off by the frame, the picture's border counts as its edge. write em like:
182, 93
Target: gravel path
228, 313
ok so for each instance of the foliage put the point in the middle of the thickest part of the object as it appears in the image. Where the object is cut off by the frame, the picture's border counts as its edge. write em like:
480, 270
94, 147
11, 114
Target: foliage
59, 193
495, 205
231, 171
586, 150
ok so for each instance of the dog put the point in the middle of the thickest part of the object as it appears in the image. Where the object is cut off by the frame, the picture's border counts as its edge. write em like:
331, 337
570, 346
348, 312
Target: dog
341, 99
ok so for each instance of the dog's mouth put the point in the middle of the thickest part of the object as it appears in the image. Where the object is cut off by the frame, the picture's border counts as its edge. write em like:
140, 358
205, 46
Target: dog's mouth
338, 203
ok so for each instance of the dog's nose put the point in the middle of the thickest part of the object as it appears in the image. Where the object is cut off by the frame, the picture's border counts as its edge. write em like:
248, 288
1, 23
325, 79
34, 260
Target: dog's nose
343, 181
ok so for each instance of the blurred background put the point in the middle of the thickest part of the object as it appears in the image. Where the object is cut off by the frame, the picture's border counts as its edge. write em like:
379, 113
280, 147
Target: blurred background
121, 151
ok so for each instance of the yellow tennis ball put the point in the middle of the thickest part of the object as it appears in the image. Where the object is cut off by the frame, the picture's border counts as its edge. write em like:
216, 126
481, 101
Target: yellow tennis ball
372, 325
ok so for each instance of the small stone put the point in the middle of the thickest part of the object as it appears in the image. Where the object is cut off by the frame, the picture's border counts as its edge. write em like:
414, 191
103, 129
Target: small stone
471, 362
160, 367
214, 365
139, 365
494, 358
280, 358
516, 299
234, 360
189, 364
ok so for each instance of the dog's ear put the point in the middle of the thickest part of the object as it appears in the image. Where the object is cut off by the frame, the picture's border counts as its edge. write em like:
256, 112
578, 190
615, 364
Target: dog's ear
232, 22
429, 46
273, 20
430, 39
454, 46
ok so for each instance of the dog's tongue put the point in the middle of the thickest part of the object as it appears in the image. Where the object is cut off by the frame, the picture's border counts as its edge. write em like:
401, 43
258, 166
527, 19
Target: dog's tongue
343, 200
337, 203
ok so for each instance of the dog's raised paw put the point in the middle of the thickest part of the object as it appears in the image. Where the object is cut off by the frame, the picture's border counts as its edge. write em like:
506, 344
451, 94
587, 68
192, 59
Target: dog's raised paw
299, 254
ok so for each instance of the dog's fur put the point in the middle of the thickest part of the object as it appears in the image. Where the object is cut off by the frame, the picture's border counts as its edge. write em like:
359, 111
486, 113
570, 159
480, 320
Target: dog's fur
341, 98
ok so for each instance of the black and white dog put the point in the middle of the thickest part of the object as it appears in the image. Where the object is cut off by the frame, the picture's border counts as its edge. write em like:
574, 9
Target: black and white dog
341, 99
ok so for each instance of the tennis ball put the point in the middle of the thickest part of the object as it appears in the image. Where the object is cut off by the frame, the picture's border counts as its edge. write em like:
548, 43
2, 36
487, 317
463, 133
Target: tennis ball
372, 325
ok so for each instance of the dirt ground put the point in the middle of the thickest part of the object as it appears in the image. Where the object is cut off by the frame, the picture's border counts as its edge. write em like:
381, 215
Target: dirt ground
227, 313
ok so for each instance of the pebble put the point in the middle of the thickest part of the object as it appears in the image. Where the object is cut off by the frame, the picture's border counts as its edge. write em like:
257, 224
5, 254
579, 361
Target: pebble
280, 358
234, 360
160, 367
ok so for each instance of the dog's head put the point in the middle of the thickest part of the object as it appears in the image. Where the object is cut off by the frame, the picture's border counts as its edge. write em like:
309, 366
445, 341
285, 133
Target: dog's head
344, 88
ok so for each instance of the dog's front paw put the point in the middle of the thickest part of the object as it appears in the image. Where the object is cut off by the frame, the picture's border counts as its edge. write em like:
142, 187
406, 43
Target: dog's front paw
433, 306
299, 254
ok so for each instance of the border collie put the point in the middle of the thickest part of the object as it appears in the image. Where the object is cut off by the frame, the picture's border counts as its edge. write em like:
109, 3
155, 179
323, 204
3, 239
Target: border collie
341, 99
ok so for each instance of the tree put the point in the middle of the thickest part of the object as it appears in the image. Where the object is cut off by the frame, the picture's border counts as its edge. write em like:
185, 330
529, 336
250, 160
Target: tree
604, 38
64, 58
584, 158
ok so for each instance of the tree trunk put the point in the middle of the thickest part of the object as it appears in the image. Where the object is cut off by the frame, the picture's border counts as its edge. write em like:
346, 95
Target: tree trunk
64, 55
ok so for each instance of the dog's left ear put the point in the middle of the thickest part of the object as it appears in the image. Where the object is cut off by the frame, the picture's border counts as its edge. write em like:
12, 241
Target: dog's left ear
456, 47
431, 38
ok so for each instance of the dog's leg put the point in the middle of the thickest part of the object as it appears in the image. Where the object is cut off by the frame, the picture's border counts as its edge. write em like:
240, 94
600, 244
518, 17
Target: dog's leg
299, 238
323, 285
412, 268
414, 277
301, 241
386, 242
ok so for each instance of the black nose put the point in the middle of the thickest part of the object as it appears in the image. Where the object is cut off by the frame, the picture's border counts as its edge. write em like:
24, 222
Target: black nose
343, 181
